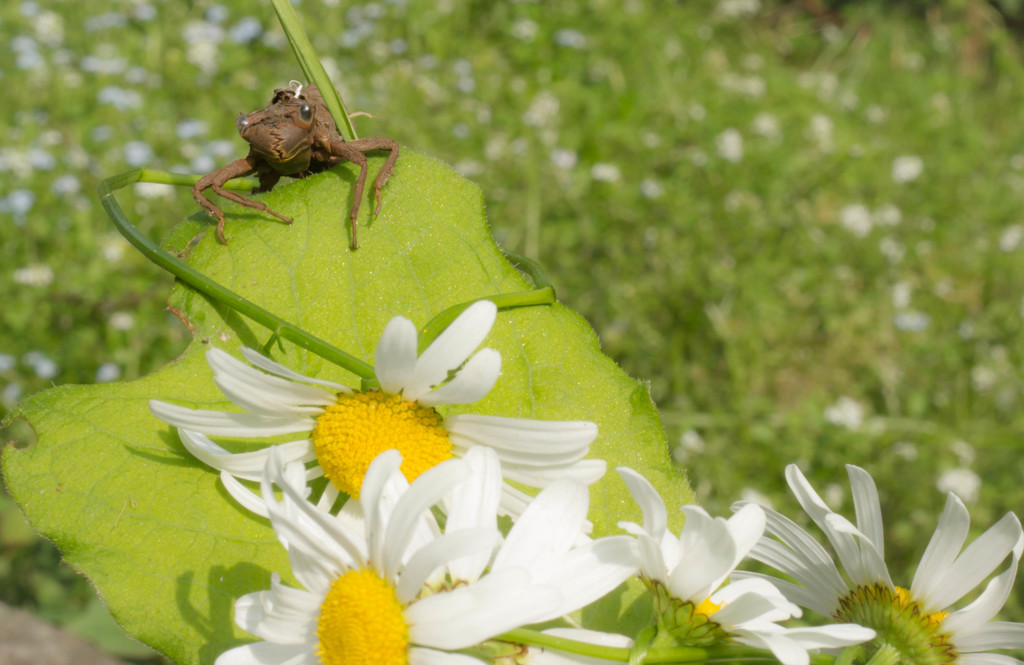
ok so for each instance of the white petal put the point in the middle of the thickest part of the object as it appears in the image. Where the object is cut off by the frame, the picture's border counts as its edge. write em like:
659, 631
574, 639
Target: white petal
468, 615
229, 424
438, 552
944, 546
244, 465
583, 472
794, 593
974, 564
265, 363
451, 348
986, 605
248, 499
548, 527
396, 355
422, 656
588, 573
474, 504
651, 505
846, 544
472, 382
414, 507
867, 507
282, 615
993, 635
708, 555
987, 659
536, 437
267, 653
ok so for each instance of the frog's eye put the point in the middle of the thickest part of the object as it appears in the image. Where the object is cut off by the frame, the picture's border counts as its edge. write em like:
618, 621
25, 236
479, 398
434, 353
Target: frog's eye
241, 121
305, 113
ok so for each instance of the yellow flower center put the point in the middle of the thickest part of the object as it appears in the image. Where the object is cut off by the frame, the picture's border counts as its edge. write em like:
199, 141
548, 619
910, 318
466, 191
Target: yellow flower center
900, 622
350, 434
361, 623
707, 608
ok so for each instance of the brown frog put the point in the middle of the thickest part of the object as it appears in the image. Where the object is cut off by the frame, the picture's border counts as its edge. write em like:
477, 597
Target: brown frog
295, 136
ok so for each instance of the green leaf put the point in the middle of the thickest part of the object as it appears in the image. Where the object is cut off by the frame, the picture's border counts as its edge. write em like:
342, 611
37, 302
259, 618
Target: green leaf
165, 545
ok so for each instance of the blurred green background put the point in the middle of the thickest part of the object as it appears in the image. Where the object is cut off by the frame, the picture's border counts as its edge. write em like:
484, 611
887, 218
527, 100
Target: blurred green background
800, 221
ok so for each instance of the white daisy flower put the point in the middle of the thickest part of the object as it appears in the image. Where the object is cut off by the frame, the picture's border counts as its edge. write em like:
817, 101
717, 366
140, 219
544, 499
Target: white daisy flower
343, 430
384, 586
917, 624
687, 576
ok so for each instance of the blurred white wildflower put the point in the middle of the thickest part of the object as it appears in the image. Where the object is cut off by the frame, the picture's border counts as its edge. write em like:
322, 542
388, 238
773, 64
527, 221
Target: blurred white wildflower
143, 11
697, 112
108, 372
820, 131
112, 247
605, 172
138, 153
965, 452
7, 362
692, 442
564, 158
44, 366
19, 202
752, 86
846, 412
123, 321
651, 189
906, 168
525, 29
247, 30
96, 64
41, 160
65, 185
217, 13
901, 292
735, 8
571, 38
730, 145
542, 110
38, 274
697, 156
767, 125
888, 215
892, 249
834, 495
122, 99
751, 495
875, 114
1017, 162
963, 482
11, 394
651, 140
856, 218
190, 129
911, 321
152, 190
469, 168
203, 39
905, 450
1011, 237
105, 21
49, 28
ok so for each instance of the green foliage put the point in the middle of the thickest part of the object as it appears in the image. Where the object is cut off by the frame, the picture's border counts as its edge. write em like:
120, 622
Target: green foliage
732, 287
166, 547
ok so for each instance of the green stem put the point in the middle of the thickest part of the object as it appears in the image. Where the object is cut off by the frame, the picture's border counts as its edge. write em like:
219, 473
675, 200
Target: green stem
886, 655
204, 284
544, 294
726, 652
312, 67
